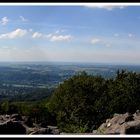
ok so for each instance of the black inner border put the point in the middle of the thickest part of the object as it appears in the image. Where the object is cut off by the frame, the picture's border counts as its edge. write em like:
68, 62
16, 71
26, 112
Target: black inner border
69, 1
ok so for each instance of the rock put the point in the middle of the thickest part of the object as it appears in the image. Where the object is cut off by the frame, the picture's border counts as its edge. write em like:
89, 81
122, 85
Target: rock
28, 121
107, 120
129, 118
115, 114
109, 124
136, 115
54, 130
63, 133
121, 124
103, 126
43, 124
17, 124
137, 112
11, 127
4, 118
1, 119
118, 124
7, 116
94, 132
16, 117
41, 131
133, 127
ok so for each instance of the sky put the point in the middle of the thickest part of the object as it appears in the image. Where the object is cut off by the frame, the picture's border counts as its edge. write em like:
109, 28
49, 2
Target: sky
95, 34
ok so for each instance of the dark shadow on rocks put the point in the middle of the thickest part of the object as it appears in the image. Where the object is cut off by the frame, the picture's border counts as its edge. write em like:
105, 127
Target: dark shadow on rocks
10, 127
133, 130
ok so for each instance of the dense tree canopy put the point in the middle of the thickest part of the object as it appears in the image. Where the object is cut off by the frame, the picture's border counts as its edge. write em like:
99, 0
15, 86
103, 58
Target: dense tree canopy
83, 102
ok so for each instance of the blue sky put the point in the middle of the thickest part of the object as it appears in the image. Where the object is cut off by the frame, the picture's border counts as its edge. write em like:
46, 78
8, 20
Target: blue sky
98, 34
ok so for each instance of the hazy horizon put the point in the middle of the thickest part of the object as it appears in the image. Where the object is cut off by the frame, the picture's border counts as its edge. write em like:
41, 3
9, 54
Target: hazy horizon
72, 34
67, 63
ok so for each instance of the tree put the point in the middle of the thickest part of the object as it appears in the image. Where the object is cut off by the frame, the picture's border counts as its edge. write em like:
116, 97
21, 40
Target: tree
5, 106
73, 102
83, 102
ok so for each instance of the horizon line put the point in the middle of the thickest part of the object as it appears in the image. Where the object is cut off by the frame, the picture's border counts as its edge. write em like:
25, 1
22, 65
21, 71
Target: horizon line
72, 62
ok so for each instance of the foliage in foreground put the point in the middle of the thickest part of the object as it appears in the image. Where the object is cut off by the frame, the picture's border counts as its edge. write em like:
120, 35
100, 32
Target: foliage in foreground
83, 102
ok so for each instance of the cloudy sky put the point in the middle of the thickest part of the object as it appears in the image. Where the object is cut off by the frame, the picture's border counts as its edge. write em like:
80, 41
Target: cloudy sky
104, 34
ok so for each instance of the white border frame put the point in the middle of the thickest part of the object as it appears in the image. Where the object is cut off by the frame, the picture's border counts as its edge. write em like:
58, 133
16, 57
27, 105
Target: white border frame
74, 135
69, 4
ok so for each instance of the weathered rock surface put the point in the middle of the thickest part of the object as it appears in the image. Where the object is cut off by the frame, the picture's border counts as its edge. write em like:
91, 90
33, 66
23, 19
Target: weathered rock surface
120, 124
16, 124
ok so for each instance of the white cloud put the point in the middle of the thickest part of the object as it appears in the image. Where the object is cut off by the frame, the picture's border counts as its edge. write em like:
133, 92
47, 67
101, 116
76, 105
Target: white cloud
48, 35
106, 7
4, 47
41, 35
95, 40
101, 41
14, 34
61, 38
23, 18
4, 20
59, 31
37, 35
52, 37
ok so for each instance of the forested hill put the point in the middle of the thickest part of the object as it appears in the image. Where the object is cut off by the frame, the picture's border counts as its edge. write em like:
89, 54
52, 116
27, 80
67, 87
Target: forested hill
83, 102
21, 79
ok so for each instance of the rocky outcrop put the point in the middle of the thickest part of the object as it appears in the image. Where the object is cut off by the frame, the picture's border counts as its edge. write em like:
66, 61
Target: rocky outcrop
120, 124
16, 124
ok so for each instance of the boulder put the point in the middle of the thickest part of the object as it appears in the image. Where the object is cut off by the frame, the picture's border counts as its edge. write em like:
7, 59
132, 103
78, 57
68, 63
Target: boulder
54, 130
28, 121
121, 124
16, 117
11, 127
17, 124
41, 131
133, 127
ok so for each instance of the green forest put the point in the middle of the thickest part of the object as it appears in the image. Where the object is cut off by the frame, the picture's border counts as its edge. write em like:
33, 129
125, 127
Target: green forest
81, 103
